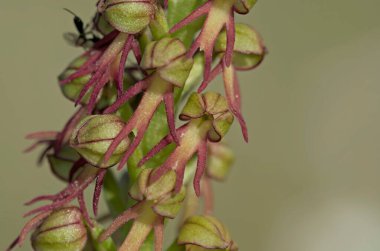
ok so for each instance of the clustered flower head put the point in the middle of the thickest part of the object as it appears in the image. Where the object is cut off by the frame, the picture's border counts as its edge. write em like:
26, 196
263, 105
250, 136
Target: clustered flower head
127, 118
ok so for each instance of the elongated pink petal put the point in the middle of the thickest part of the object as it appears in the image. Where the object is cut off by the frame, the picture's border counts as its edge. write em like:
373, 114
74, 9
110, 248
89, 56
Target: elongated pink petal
132, 147
169, 106
230, 30
200, 11
83, 209
43, 135
63, 201
180, 171
87, 87
157, 148
124, 56
95, 92
131, 92
215, 72
208, 195
136, 50
161, 145
159, 234
208, 62
98, 190
40, 198
231, 87
201, 166
35, 145
29, 226
87, 68
128, 215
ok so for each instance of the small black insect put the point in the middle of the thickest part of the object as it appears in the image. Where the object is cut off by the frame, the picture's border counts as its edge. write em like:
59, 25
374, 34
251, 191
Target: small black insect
84, 38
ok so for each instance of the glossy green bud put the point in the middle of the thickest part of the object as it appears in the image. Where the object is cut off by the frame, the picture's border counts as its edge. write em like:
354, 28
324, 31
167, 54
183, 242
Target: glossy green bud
72, 89
249, 49
168, 56
212, 107
129, 16
205, 233
165, 202
93, 136
244, 6
62, 230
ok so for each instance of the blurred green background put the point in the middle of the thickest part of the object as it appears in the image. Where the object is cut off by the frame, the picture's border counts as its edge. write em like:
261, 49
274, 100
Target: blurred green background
309, 178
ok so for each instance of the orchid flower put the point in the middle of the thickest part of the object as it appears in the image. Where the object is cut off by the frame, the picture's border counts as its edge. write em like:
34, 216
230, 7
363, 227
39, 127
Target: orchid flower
209, 120
220, 15
155, 202
170, 68
248, 53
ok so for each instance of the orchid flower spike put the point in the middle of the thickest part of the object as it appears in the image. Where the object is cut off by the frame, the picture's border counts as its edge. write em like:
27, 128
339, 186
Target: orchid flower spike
106, 60
220, 15
248, 53
209, 119
169, 67
156, 201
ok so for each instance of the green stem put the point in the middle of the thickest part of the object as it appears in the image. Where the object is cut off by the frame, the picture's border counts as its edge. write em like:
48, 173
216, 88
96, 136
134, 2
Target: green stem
141, 228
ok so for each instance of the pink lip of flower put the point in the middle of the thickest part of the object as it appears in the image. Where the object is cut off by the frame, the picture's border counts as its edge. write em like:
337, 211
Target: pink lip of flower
99, 62
220, 14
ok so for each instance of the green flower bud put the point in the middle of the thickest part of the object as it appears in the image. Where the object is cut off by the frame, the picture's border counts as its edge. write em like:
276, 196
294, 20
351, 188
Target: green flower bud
165, 202
129, 16
93, 136
205, 233
249, 49
72, 89
62, 230
244, 6
61, 163
219, 161
168, 56
211, 106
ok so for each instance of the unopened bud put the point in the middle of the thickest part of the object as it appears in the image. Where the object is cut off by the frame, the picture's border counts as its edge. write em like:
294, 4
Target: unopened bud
249, 49
93, 136
129, 16
202, 233
72, 89
165, 202
168, 56
244, 6
62, 230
